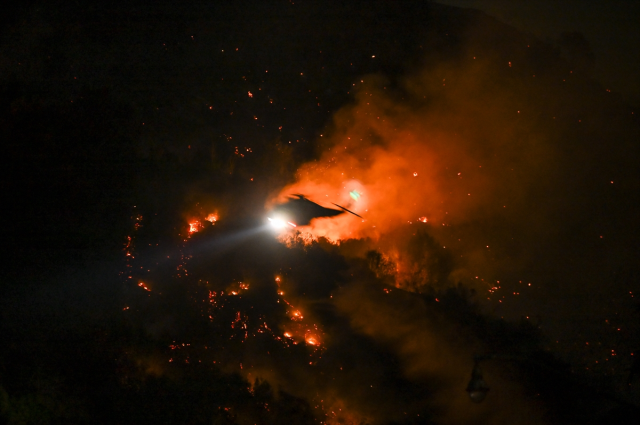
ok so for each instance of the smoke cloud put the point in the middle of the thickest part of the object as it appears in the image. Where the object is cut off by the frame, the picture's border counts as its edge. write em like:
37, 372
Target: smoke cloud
497, 155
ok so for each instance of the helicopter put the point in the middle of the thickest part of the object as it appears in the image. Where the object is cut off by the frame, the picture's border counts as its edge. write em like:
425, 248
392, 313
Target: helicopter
299, 211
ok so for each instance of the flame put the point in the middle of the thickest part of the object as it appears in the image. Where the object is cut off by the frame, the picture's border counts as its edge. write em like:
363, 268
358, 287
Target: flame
197, 223
386, 183
312, 339
236, 288
194, 226
392, 162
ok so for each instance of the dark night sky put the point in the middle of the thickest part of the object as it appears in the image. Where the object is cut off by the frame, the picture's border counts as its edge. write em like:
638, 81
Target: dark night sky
513, 129
609, 27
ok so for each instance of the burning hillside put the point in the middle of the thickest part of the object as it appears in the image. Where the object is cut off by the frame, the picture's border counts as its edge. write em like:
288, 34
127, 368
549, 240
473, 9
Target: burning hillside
445, 171
334, 208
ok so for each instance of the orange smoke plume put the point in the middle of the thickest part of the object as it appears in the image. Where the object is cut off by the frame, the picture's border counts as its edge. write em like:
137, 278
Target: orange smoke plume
459, 159
388, 163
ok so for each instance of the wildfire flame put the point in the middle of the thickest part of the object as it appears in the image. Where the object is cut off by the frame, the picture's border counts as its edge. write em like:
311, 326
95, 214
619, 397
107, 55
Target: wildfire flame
194, 226
387, 184
312, 340
237, 288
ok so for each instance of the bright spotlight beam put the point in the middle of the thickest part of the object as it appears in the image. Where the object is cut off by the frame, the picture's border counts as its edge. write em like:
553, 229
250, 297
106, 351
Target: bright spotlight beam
228, 241
219, 244
278, 223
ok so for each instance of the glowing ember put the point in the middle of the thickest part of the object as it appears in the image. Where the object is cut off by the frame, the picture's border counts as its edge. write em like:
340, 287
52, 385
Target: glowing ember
423, 219
312, 339
143, 286
296, 315
194, 226
236, 288
287, 334
212, 218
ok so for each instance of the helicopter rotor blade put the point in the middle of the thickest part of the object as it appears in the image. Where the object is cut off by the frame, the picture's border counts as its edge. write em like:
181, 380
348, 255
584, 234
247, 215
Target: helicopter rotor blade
349, 211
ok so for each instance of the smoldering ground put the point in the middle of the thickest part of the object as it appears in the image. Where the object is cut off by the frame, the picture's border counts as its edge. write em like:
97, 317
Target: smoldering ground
378, 354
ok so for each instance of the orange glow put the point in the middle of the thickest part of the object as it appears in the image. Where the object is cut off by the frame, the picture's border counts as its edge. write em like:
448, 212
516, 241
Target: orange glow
194, 226
143, 286
236, 288
399, 166
212, 218
312, 340
382, 175
296, 315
